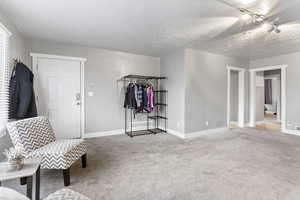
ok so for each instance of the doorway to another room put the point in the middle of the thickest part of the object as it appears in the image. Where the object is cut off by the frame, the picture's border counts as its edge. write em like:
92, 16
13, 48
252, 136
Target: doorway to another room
235, 97
267, 98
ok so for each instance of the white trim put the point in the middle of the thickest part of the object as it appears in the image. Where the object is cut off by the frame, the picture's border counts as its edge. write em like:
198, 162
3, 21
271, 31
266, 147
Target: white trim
35, 58
291, 132
283, 98
169, 131
260, 122
252, 112
176, 133
228, 95
5, 29
248, 125
196, 134
205, 132
252, 106
39, 55
268, 68
235, 123
104, 133
82, 99
241, 114
235, 68
112, 132
241, 89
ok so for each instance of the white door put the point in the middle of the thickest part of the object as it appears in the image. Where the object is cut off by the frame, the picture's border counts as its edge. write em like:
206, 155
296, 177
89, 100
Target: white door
58, 85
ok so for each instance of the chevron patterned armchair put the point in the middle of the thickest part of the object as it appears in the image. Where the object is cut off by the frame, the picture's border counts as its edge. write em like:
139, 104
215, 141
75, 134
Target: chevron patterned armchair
36, 138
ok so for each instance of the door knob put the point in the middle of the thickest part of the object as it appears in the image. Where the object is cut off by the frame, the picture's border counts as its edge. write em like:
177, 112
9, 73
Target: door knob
78, 99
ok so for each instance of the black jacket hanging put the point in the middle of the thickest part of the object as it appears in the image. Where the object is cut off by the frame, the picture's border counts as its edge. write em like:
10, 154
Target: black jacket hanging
130, 101
21, 94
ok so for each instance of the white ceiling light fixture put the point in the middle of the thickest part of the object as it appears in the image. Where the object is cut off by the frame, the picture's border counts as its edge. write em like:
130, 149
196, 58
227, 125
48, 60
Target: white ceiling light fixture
271, 27
246, 16
277, 30
267, 26
259, 19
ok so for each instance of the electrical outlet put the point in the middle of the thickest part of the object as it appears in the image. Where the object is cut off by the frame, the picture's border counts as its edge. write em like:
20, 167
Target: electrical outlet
297, 128
178, 124
206, 123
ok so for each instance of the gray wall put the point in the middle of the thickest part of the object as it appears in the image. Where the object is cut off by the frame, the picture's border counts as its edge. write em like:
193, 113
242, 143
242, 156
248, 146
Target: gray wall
293, 86
104, 111
17, 50
234, 96
206, 89
172, 66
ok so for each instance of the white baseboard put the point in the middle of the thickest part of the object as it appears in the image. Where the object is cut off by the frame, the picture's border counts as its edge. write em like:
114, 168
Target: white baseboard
196, 134
260, 122
249, 125
256, 123
234, 123
286, 131
205, 132
176, 133
291, 132
104, 133
170, 131
111, 133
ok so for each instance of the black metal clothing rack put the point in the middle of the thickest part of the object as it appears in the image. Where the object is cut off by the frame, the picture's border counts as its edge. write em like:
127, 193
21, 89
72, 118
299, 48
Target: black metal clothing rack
160, 107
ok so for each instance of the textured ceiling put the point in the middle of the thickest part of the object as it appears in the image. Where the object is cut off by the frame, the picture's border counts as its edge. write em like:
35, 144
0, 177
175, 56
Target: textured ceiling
158, 26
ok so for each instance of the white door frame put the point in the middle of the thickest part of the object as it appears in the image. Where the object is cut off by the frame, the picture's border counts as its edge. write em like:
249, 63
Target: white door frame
36, 56
241, 106
253, 94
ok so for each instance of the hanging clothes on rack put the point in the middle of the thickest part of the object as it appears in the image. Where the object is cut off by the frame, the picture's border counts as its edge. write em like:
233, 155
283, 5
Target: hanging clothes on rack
21, 94
144, 95
140, 97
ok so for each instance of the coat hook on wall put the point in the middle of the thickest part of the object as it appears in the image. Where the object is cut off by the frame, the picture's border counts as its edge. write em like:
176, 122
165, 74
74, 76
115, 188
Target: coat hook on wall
17, 59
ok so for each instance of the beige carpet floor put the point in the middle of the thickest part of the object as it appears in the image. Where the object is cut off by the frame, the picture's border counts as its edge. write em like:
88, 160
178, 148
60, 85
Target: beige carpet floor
243, 164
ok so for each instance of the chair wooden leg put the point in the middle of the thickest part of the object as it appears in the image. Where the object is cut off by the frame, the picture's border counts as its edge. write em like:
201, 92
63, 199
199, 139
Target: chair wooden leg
84, 160
66, 175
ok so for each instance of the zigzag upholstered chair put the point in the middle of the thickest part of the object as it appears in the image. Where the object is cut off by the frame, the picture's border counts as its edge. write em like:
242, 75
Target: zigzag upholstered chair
36, 138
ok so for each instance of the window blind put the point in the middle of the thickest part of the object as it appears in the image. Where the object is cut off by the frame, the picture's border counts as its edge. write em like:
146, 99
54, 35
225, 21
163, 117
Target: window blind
4, 78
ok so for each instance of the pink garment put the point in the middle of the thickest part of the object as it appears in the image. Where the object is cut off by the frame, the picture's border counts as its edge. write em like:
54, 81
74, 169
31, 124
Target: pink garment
150, 95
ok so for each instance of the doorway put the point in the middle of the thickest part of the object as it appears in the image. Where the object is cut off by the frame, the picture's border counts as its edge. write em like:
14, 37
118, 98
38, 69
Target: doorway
235, 97
59, 87
268, 97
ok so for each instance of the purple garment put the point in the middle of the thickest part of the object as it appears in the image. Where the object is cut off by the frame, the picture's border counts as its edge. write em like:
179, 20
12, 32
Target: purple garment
150, 95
